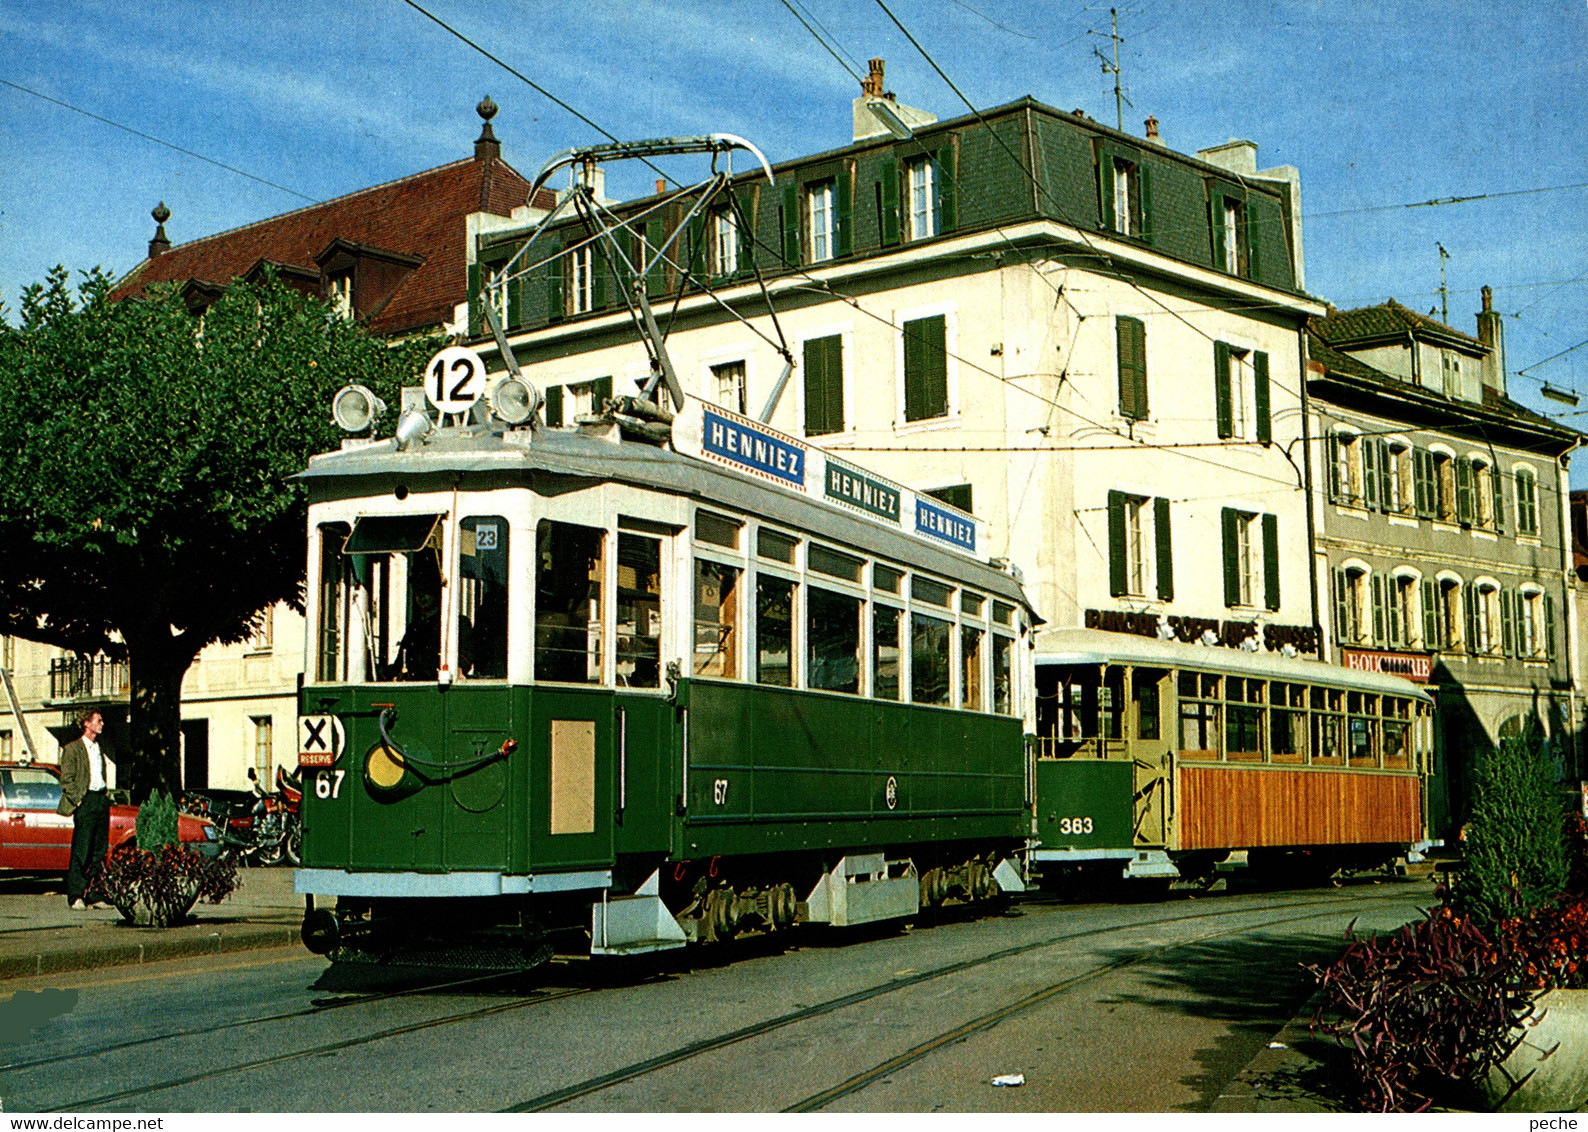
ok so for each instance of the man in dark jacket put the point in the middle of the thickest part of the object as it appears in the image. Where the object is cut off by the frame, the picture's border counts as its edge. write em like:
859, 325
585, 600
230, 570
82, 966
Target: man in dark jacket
85, 784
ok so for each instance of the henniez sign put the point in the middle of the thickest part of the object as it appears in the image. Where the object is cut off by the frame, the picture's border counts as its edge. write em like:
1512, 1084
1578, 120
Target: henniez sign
1412, 665
713, 433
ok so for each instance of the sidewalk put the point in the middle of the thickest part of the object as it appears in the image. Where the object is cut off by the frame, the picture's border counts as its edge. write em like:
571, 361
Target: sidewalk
40, 935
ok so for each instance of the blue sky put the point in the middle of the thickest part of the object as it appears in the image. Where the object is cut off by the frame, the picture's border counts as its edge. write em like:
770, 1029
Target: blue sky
1378, 104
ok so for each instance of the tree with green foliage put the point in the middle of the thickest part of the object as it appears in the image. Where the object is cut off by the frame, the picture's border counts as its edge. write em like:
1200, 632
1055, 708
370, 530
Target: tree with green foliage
146, 505
1515, 848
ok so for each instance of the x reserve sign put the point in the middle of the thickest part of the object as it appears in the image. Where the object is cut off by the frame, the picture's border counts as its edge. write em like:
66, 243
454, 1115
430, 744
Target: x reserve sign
320, 740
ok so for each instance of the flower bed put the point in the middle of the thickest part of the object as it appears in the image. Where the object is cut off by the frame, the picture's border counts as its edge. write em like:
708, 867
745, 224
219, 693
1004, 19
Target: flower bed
158, 887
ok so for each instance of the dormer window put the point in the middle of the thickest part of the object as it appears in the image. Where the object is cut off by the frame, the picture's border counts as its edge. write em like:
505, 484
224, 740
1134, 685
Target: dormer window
1127, 197
341, 295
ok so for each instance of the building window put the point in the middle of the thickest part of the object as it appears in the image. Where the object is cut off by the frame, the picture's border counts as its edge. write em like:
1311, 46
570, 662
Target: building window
341, 296
1251, 559
1451, 594
922, 179
1346, 480
824, 385
1482, 495
1530, 635
819, 220
1526, 502
1486, 636
926, 368
1402, 627
724, 242
1241, 387
1138, 540
1450, 374
496, 294
1130, 338
960, 495
263, 636
1126, 188
1399, 487
1446, 496
1234, 254
587, 397
728, 380
582, 297
1351, 604
264, 734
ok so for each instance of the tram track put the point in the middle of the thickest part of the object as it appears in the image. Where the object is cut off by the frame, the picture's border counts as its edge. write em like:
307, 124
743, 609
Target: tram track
596, 1084
559, 1097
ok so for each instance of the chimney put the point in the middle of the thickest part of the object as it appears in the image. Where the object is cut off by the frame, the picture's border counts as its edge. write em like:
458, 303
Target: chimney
161, 243
661, 186
1236, 155
486, 147
1152, 130
889, 117
1491, 332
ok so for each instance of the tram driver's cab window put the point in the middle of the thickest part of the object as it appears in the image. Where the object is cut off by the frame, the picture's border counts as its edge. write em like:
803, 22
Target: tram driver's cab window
570, 573
393, 575
639, 610
482, 598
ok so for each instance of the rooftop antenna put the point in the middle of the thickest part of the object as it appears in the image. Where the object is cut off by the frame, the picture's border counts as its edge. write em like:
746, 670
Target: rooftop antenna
1120, 101
1444, 294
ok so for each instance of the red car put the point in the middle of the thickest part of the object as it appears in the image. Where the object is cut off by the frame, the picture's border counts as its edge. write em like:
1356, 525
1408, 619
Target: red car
36, 839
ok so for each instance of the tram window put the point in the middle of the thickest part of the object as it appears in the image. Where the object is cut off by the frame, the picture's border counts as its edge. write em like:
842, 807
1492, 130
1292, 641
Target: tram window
970, 682
1146, 684
716, 620
885, 652
1003, 668
639, 632
1363, 732
930, 640
1199, 718
825, 560
774, 631
717, 530
482, 598
930, 592
1003, 614
1112, 705
333, 601
1397, 744
886, 578
832, 641
1354, 702
397, 594
569, 579
1287, 730
778, 547
1243, 734
1328, 739
971, 604
1210, 687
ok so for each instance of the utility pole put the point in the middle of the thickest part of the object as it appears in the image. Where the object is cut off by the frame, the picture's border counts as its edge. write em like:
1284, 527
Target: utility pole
1120, 100
1444, 294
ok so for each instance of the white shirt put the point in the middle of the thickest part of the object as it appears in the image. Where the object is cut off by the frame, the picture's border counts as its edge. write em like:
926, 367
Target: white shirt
96, 765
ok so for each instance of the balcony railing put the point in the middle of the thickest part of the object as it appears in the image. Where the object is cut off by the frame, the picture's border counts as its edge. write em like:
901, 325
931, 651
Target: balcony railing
88, 678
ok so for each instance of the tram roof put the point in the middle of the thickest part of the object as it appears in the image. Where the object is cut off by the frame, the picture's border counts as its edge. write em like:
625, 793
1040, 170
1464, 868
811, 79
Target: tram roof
488, 452
1095, 646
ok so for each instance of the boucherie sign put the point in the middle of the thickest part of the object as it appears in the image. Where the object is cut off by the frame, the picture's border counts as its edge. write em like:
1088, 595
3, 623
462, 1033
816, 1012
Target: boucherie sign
1411, 665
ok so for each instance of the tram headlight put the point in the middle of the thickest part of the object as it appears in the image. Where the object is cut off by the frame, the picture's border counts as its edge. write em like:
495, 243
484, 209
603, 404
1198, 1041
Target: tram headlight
513, 400
355, 409
413, 426
384, 768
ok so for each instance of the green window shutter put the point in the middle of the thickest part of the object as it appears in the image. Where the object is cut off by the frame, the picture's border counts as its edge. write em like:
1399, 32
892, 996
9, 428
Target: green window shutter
947, 190
555, 303
925, 368
843, 212
745, 218
1149, 230
824, 388
1232, 568
1508, 604
656, 276
1116, 544
600, 393
1160, 525
1271, 561
1130, 339
1464, 493
1395, 614
1105, 188
1344, 631
1332, 456
1387, 475
1221, 390
1380, 601
790, 216
476, 315
1430, 614
1260, 398
1423, 477
888, 202
1469, 606
1216, 225
697, 261
1549, 626
1250, 228
1497, 485
599, 271
515, 302
554, 406
1369, 452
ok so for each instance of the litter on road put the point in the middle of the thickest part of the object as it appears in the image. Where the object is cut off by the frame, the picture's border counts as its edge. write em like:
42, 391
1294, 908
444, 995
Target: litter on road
1010, 1080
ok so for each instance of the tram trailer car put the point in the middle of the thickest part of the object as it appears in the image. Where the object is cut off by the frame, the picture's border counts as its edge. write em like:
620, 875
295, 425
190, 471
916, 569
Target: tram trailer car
1162, 760
577, 681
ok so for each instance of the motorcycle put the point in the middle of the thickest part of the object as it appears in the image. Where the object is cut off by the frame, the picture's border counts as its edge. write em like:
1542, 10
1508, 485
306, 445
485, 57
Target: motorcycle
271, 830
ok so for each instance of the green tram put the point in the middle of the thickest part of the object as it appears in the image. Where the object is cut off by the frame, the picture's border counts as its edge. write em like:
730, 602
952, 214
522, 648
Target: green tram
1163, 759
643, 682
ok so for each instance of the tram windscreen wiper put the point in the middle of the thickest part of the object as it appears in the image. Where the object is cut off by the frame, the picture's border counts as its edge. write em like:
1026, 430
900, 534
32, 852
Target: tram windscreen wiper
390, 534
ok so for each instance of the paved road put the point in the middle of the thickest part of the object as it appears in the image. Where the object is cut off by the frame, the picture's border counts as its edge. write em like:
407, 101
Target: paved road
1144, 1007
